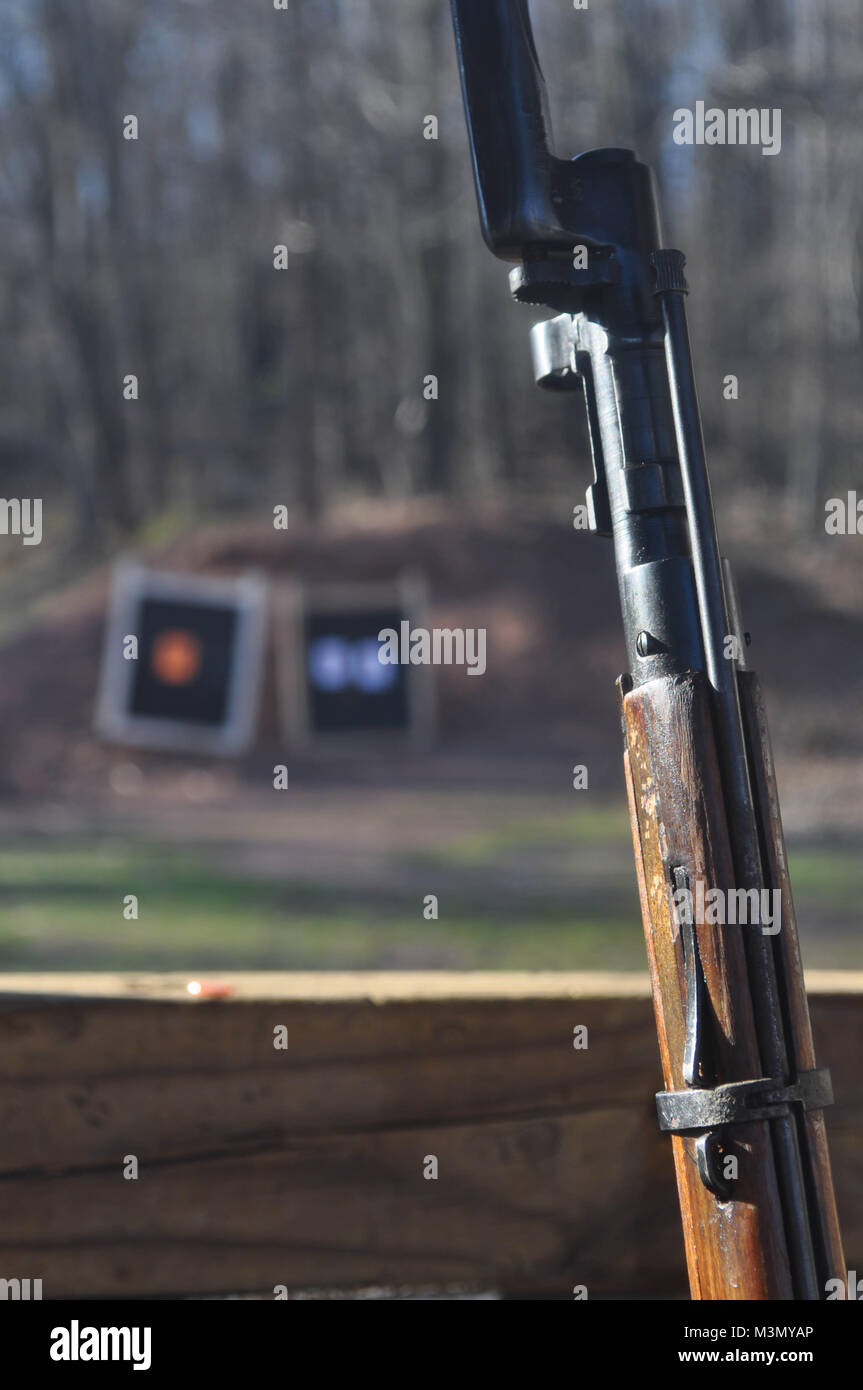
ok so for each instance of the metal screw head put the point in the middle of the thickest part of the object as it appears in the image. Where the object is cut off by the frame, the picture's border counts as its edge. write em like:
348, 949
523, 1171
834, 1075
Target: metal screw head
647, 644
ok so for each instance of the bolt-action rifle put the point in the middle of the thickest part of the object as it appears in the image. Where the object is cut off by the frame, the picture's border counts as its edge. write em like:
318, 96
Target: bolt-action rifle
743, 1098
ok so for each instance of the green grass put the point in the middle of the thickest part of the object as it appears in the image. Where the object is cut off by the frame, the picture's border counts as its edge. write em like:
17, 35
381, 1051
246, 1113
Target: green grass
832, 873
606, 825
62, 908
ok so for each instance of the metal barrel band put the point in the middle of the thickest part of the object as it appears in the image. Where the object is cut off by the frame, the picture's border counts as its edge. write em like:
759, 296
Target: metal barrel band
740, 1102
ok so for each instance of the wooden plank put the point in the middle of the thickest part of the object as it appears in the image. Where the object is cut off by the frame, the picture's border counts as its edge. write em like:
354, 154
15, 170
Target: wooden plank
385, 985
302, 1167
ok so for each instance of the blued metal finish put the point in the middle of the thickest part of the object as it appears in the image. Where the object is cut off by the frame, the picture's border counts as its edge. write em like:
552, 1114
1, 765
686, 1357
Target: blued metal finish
631, 409
741, 1102
708, 1156
508, 126
693, 1059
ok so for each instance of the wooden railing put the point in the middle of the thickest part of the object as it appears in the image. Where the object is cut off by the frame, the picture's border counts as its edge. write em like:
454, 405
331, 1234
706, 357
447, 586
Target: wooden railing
312, 1165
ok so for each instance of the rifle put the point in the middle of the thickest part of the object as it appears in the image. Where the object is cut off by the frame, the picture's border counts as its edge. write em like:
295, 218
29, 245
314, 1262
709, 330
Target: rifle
743, 1098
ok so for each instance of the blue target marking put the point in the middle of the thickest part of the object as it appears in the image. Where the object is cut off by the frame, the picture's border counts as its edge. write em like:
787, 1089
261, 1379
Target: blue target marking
339, 663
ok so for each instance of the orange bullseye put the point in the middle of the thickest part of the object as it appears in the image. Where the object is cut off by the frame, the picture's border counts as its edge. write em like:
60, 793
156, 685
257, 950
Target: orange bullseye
176, 656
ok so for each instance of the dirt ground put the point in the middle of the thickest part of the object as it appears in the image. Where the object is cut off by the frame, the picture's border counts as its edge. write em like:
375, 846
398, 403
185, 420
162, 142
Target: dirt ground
547, 598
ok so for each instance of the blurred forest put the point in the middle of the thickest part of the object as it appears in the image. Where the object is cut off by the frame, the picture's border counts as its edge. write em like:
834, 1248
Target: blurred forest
305, 127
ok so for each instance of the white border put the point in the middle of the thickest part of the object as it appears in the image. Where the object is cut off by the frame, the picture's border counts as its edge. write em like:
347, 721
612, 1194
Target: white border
132, 584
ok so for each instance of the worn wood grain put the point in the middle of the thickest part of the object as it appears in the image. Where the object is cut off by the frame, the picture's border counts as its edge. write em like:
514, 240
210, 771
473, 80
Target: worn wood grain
735, 1249
305, 1167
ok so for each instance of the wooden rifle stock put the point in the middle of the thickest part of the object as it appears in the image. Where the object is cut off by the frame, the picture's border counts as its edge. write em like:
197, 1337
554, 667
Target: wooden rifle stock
735, 1249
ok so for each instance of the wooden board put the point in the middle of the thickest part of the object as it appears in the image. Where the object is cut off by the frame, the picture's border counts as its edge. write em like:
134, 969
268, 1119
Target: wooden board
305, 1167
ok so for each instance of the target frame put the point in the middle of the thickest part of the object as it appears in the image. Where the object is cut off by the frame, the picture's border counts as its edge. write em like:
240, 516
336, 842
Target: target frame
245, 597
